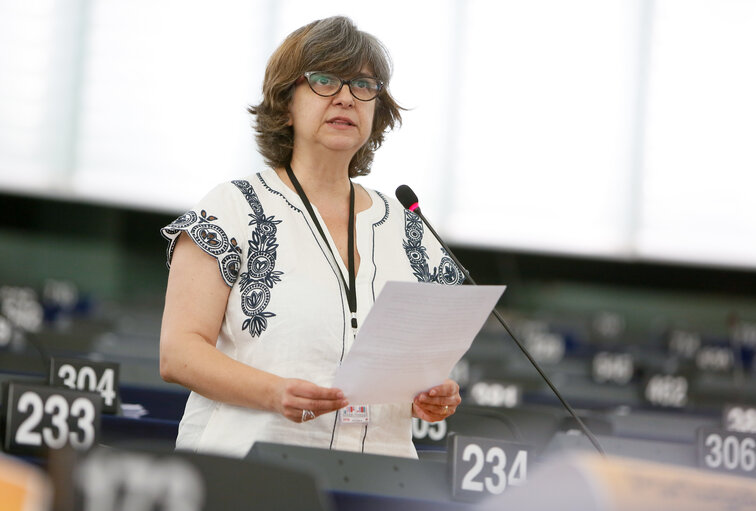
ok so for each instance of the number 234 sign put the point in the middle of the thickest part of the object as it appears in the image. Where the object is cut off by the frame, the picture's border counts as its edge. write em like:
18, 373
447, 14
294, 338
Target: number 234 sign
483, 467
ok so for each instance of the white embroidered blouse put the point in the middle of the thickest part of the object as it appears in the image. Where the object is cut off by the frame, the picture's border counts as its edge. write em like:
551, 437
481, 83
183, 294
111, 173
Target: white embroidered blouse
287, 312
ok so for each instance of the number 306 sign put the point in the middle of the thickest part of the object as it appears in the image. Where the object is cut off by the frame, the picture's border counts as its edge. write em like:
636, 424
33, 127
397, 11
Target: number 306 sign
482, 467
727, 451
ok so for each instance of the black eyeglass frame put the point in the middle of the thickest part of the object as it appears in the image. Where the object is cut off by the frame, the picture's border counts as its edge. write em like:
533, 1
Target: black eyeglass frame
348, 83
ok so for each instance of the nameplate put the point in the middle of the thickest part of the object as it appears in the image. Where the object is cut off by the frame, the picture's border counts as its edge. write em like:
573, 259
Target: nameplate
612, 367
39, 418
425, 432
740, 418
715, 359
87, 376
482, 467
107, 479
666, 390
496, 394
727, 451
684, 344
546, 347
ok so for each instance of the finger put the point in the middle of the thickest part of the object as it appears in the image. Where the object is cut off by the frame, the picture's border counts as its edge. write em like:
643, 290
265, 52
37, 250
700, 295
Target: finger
292, 406
425, 399
306, 416
444, 410
439, 401
306, 395
448, 388
438, 404
320, 406
307, 389
434, 413
308, 412
427, 415
294, 414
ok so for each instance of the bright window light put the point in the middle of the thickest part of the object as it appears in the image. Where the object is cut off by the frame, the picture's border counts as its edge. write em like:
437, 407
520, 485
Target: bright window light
699, 173
39, 57
166, 87
546, 115
592, 127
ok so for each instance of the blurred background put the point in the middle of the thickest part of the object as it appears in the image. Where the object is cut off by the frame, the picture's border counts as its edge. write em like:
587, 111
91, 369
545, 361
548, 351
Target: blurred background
597, 156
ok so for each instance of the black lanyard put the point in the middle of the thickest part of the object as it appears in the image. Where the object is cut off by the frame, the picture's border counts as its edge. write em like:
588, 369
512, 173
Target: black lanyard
351, 290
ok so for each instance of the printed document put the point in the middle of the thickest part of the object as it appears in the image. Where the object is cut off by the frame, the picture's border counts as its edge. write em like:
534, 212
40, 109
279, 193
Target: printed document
412, 338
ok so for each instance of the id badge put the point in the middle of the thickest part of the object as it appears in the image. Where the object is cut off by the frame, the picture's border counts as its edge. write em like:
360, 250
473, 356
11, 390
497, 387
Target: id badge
355, 414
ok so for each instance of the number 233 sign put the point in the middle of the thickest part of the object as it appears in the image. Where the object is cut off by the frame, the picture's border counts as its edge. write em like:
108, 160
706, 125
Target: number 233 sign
39, 417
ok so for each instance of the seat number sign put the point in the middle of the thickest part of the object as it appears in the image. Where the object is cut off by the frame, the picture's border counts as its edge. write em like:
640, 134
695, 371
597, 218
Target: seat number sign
667, 390
39, 417
740, 418
428, 432
482, 467
88, 376
497, 394
727, 451
113, 480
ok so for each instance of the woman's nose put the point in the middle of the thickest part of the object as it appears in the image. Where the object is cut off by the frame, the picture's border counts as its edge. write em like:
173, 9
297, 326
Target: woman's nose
344, 97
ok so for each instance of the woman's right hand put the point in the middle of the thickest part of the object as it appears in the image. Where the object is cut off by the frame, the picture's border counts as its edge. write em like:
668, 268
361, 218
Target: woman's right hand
294, 396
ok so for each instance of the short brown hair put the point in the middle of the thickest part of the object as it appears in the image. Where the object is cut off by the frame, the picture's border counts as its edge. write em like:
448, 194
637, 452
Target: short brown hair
334, 45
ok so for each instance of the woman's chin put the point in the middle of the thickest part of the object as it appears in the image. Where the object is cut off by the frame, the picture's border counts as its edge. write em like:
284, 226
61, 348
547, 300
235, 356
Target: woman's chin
343, 144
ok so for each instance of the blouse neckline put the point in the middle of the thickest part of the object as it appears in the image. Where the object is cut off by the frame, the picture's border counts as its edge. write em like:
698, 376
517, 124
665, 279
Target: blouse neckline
372, 214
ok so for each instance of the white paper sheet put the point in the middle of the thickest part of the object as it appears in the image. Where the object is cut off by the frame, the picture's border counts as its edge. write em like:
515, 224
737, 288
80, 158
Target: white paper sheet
411, 339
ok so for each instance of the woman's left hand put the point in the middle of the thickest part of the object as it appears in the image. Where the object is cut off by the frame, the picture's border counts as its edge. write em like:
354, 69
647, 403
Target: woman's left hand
437, 403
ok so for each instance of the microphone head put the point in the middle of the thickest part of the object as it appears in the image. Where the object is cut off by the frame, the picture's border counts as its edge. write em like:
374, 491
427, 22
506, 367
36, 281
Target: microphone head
407, 197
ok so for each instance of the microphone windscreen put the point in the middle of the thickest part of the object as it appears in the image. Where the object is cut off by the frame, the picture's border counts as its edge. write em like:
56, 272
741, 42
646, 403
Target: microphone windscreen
406, 196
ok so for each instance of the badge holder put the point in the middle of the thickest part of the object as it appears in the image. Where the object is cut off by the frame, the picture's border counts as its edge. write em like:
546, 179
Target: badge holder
355, 414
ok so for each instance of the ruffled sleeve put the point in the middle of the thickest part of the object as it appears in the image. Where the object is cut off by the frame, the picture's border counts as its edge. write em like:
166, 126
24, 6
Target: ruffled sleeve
215, 225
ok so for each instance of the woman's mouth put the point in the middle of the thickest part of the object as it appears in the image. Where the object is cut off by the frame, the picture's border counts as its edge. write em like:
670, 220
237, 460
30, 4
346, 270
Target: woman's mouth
340, 121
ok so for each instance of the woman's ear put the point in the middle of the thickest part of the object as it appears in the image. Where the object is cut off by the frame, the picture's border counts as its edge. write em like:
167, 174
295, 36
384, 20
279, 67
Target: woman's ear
289, 122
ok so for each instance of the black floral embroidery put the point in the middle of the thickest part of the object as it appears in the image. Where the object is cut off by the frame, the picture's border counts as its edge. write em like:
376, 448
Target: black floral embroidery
261, 275
446, 273
184, 220
209, 237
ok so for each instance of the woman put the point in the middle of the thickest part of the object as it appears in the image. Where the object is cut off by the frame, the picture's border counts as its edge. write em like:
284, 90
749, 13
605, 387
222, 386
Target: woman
263, 297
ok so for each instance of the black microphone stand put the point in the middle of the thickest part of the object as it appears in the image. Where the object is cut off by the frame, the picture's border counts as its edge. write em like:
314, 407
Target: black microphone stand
524, 350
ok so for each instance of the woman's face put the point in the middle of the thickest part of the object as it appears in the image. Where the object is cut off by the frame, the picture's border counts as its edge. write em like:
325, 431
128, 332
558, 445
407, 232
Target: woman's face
338, 123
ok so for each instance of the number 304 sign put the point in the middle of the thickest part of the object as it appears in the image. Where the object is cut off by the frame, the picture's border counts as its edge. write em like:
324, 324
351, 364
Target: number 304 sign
87, 376
482, 467
38, 418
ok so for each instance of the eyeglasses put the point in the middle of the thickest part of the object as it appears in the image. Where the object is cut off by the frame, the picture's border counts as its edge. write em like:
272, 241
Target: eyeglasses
364, 88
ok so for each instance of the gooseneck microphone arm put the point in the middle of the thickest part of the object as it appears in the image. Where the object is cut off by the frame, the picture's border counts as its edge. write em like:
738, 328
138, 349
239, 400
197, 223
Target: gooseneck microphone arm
407, 197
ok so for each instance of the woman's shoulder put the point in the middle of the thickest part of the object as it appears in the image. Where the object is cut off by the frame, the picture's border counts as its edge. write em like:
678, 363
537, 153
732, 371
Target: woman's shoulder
253, 180
392, 204
387, 210
239, 187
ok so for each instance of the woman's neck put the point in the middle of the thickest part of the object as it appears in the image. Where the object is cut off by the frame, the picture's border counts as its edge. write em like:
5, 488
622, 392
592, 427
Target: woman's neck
322, 179
326, 185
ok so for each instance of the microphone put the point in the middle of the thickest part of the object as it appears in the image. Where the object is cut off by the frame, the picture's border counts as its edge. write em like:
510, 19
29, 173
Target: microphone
409, 200
407, 197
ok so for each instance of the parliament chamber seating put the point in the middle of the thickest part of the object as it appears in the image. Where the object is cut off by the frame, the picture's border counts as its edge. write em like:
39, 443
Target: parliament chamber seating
644, 397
